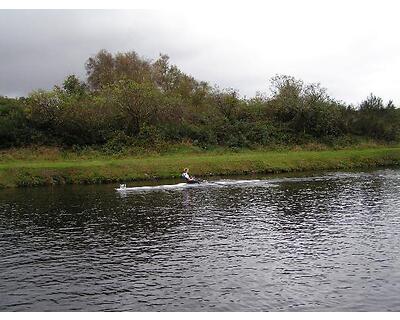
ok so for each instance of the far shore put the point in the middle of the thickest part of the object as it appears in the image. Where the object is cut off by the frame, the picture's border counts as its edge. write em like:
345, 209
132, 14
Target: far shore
38, 172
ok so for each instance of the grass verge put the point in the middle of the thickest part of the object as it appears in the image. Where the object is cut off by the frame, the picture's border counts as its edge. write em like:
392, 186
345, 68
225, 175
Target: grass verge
18, 173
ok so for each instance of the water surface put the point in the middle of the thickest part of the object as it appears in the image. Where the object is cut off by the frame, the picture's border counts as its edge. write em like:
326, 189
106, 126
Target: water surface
327, 242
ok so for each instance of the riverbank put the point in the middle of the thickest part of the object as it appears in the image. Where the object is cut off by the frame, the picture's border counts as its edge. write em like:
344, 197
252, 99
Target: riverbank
20, 173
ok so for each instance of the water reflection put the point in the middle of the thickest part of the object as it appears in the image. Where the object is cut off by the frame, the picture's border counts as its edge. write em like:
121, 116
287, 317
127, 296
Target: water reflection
326, 242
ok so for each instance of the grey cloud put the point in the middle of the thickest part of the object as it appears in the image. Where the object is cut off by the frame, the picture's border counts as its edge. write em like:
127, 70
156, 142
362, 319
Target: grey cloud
38, 48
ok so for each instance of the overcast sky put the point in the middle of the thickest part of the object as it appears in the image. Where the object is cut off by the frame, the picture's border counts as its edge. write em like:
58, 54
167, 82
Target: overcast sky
352, 49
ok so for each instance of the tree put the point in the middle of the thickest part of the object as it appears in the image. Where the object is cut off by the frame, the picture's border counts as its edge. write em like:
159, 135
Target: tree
135, 102
105, 68
72, 85
100, 70
372, 103
285, 86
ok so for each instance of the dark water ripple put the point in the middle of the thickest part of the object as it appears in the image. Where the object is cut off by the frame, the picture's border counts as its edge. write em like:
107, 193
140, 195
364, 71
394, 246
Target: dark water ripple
323, 243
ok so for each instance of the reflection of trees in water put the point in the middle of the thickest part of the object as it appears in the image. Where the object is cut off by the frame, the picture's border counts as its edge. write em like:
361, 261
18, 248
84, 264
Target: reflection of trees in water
303, 205
85, 215
284, 204
299, 204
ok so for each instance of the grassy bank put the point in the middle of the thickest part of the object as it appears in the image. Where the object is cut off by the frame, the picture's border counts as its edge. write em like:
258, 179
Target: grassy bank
105, 170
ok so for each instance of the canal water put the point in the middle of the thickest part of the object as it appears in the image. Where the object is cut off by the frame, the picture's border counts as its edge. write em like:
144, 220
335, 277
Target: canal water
320, 242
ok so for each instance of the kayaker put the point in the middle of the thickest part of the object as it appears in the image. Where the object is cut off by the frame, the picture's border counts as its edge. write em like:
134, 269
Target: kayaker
188, 179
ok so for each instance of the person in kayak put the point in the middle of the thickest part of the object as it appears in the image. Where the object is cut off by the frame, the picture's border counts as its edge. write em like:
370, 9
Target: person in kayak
188, 179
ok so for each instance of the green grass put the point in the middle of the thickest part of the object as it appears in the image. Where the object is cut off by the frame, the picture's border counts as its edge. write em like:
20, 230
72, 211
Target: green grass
58, 170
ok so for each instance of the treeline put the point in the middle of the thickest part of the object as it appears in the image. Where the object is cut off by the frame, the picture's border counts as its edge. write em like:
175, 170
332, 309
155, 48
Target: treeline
128, 101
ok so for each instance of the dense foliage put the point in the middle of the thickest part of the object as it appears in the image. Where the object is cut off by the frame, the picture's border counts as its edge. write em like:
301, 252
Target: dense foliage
131, 101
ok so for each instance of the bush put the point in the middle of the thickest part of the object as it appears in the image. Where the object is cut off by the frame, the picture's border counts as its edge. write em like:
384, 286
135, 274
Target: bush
14, 128
131, 102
